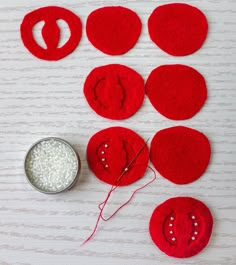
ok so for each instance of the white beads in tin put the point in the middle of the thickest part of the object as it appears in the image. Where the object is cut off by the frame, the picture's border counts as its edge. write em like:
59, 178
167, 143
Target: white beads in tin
51, 165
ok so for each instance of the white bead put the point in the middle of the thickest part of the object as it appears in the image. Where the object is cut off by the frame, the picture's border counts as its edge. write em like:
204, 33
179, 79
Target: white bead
106, 166
196, 224
170, 224
102, 152
195, 233
126, 169
193, 237
171, 232
103, 159
173, 238
193, 217
106, 145
172, 218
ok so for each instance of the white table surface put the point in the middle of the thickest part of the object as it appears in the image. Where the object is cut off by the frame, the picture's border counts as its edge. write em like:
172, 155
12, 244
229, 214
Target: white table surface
41, 98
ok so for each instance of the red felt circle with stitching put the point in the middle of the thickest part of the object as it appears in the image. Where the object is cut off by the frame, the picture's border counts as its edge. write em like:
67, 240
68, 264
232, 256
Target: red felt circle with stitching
180, 154
114, 30
178, 29
114, 91
51, 32
181, 227
178, 92
110, 151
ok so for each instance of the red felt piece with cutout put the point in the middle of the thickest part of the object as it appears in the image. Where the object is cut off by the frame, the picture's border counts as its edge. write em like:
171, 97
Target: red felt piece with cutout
181, 227
180, 154
178, 92
178, 29
111, 150
114, 91
114, 30
51, 32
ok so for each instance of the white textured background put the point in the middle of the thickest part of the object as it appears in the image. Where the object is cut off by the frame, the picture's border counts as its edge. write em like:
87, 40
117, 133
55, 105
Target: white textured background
40, 98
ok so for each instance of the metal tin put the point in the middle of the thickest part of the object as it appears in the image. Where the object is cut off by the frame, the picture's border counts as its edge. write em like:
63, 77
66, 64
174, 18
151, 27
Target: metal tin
76, 176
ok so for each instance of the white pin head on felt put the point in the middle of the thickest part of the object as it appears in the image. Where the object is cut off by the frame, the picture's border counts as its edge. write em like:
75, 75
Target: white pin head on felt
128, 160
112, 152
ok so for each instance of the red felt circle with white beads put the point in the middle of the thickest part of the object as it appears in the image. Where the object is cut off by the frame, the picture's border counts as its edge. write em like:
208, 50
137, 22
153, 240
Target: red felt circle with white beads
111, 150
181, 227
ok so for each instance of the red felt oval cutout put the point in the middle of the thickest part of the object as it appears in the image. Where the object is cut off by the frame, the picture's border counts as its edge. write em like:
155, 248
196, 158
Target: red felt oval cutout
114, 91
114, 30
178, 92
110, 151
181, 227
178, 29
180, 154
51, 32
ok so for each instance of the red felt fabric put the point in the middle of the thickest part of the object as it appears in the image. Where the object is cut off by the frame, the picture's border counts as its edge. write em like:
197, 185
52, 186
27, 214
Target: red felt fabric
180, 154
116, 147
185, 219
114, 91
114, 30
50, 32
178, 29
178, 92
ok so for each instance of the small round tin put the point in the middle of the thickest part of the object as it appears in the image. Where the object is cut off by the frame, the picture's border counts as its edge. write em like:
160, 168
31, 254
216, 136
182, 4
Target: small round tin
52, 165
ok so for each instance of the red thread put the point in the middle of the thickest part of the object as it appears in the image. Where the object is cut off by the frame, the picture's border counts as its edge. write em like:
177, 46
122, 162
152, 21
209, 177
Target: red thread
98, 219
102, 205
131, 197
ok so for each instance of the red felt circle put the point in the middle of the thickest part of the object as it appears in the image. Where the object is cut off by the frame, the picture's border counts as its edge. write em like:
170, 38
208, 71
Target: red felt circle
114, 91
180, 154
178, 29
111, 150
51, 32
114, 30
178, 92
181, 227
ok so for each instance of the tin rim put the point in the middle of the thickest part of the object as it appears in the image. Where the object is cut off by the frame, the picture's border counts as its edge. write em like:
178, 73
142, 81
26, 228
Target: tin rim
76, 176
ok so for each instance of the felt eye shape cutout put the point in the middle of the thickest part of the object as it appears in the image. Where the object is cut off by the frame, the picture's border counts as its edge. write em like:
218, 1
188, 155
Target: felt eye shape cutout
178, 29
51, 32
114, 30
180, 154
109, 151
181, 227
114, 91
177, 91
